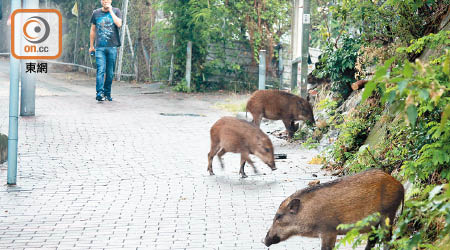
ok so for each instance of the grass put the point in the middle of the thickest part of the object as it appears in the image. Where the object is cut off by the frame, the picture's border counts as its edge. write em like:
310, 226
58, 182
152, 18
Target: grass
232, 107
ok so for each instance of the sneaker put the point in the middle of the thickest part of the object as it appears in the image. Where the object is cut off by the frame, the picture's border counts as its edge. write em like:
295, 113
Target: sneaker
108, 98
100, 97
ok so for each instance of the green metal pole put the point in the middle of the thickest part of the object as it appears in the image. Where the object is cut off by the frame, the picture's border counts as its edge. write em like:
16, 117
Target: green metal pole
14, 72
28, 80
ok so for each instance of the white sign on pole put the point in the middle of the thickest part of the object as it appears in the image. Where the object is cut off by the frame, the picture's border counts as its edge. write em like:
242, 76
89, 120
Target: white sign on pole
306, 18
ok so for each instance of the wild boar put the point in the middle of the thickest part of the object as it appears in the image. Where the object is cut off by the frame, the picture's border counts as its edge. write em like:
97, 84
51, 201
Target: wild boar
230, 134
280, 105
317, 211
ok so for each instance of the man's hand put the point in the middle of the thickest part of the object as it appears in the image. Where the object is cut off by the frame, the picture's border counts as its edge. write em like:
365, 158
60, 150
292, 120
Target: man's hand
108, 7
91, 49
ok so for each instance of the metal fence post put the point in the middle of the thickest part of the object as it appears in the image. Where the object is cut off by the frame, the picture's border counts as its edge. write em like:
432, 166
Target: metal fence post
188, 64
13, 111
280, 65
171, 62
262, 70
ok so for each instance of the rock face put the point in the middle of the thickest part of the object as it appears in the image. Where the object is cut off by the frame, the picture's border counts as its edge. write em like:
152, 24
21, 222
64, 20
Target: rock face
3, 148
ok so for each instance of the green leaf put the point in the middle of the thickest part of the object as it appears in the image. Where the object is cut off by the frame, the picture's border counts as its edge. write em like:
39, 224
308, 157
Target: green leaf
446, 65
408, 70
388, 63
445, 116
380, 72
411, 111
414, 241
423, 93
402, 86
368, 89
389, 97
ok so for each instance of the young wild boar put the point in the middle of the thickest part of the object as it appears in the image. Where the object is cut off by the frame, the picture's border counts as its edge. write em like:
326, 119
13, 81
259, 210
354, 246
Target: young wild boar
230, 134
279, 105
316, 211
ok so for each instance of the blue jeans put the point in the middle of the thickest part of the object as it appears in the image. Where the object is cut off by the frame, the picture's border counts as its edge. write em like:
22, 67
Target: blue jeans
106, 62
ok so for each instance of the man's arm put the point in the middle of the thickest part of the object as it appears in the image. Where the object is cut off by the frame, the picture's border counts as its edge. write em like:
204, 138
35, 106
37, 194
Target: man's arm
92, 38
117, 21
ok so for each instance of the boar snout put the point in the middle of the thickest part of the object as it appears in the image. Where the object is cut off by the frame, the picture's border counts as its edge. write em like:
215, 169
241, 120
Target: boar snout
272, 166
308, 118
271, 240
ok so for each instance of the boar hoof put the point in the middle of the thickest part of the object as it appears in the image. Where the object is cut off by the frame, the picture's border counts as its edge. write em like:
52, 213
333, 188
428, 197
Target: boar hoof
273, 169
211, 173
244, 175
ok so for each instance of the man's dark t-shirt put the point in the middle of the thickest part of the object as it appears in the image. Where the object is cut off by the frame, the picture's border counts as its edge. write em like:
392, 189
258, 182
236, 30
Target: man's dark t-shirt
107, 33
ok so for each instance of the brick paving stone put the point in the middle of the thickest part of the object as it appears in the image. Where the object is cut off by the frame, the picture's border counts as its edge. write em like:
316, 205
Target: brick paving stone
119, 175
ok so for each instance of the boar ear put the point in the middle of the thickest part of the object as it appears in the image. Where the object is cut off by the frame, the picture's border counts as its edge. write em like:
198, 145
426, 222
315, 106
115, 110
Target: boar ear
294, 206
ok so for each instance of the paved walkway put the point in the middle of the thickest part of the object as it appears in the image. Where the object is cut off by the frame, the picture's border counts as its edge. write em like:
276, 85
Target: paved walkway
132, 173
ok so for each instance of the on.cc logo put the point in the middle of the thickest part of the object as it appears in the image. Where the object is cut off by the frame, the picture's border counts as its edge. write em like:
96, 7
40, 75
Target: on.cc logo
36, 34
36, 29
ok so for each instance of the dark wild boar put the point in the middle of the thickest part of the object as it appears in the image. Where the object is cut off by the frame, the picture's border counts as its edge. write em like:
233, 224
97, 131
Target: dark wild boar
317, 211
230, 134
280, 105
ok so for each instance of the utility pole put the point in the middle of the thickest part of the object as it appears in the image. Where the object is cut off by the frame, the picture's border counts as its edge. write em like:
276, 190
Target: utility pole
122, 39
305, 48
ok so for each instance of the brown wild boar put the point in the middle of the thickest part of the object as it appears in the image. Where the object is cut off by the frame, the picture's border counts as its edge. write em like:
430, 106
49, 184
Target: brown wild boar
279, 105
230, 134
317, 211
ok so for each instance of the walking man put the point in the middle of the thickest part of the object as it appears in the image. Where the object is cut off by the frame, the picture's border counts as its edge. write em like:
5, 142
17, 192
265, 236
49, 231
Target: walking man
106, 22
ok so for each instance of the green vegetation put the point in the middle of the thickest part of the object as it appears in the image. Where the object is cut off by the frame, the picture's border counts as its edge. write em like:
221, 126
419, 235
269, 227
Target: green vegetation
418, 150
219, 25
181, 87
338, 64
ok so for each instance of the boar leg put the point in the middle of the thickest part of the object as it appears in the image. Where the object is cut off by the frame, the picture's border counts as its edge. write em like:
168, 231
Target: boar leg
287, 124
246, 158
211, 155
373, 238
371, 241
221, 152
241, 170
328, 240
294, 126
257, 117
